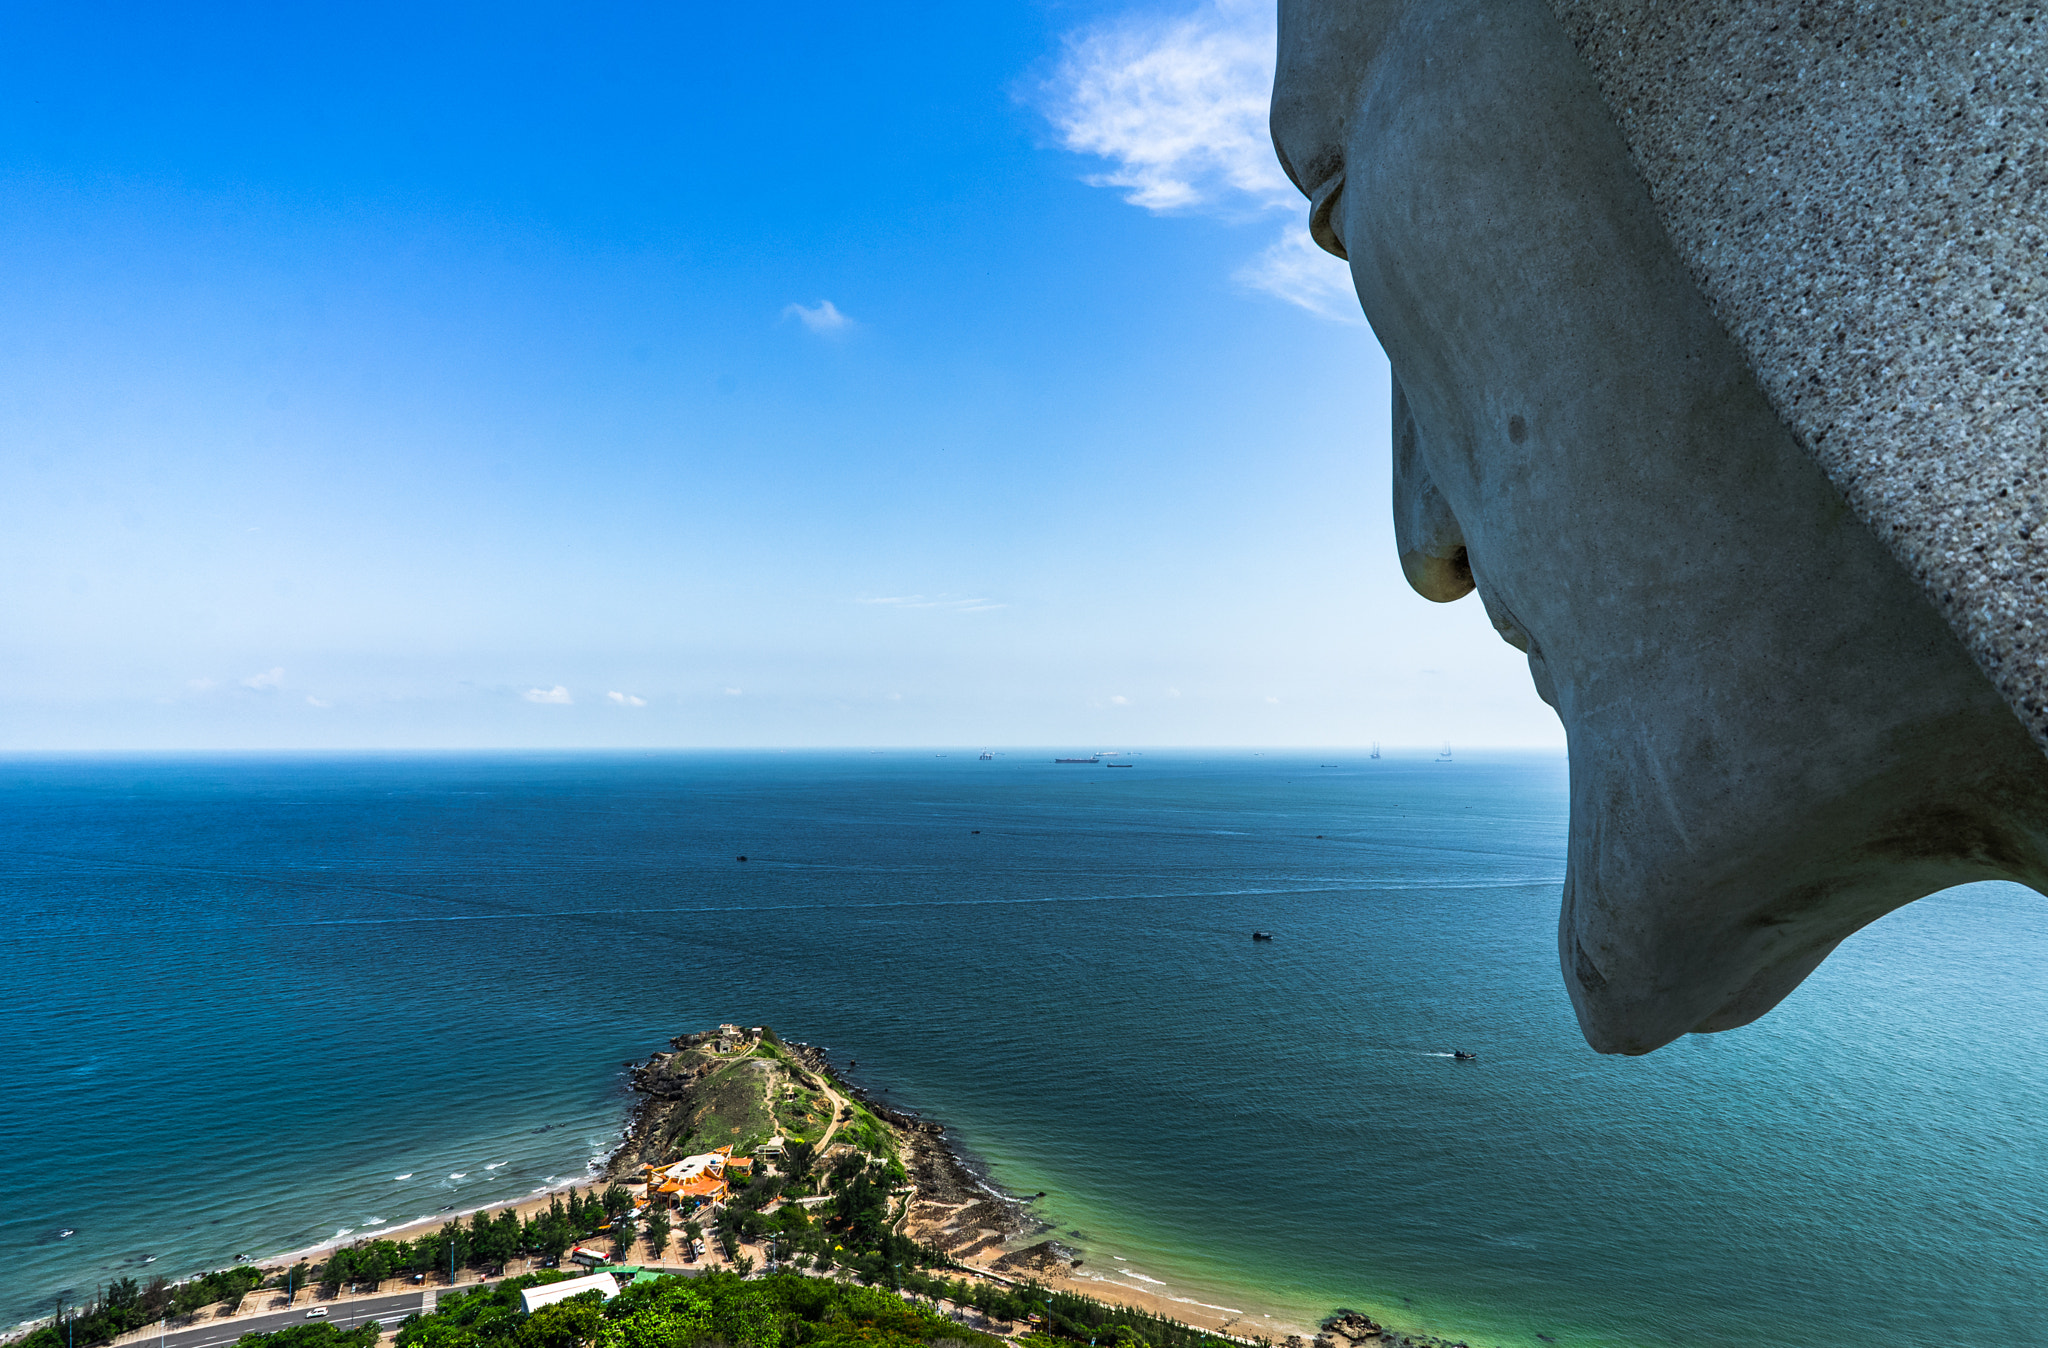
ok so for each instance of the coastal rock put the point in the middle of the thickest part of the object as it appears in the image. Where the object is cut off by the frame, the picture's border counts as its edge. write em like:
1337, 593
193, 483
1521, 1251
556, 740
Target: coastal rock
1351, 1325
1047, 1256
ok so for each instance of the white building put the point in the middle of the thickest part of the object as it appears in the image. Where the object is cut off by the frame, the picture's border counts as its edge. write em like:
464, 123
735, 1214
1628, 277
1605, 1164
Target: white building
533, 1298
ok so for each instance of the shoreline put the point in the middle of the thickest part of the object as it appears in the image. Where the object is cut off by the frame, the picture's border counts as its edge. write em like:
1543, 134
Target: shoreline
956, 1203
1199, 1303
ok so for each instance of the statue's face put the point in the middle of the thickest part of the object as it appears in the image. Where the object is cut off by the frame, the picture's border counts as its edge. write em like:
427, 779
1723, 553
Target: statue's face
1774, 738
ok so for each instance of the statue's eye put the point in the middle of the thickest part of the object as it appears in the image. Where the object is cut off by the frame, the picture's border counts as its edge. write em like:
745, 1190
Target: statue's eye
1322, 215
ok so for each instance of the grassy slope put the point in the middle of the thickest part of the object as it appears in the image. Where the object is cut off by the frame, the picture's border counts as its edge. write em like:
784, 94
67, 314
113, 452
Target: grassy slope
744, 1103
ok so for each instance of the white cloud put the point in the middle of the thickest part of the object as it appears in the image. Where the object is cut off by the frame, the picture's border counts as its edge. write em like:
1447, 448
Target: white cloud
1173, 692
823, 317
1178, 105
1296, 270
946, 602
312, 701
269, 678
627, 699
557, 695
1119, 701
733, 692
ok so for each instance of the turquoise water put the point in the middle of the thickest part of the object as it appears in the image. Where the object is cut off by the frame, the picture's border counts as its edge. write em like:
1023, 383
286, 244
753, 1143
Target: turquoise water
257, 1002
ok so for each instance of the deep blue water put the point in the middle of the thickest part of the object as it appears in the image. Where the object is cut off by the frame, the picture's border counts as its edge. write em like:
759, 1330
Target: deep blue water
244, 996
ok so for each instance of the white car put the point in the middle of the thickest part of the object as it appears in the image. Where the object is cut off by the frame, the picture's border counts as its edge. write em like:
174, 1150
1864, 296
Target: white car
317, 1313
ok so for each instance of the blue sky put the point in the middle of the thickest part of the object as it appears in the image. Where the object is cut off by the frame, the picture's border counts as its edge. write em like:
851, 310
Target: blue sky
689, 375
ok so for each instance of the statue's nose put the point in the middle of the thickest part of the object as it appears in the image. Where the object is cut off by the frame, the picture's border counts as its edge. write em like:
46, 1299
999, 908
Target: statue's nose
1431, 543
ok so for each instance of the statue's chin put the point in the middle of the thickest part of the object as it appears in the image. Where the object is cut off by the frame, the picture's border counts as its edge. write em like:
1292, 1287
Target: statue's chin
1639, 1010
1702, 889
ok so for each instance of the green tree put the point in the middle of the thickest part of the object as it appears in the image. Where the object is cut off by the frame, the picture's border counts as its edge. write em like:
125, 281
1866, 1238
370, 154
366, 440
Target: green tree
373, 1264
507, 1238
452, 1248
576, 1323
657, 1233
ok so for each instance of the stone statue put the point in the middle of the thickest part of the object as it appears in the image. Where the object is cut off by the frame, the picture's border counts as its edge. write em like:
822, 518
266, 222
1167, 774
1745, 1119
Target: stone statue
1775, 736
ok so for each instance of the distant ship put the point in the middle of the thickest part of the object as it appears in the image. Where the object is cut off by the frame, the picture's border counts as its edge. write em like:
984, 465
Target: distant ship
986, 756
1445, 756
1096, 759
1120, 765
1375, 748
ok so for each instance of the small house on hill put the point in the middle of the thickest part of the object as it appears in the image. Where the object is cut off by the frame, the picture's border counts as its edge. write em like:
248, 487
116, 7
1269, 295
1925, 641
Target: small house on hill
703, 1178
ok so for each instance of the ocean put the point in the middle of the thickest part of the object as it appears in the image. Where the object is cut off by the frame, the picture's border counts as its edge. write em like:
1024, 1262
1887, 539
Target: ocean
256, 1002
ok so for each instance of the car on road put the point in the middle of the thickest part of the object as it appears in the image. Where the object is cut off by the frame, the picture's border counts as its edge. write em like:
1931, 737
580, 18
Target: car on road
317, 1313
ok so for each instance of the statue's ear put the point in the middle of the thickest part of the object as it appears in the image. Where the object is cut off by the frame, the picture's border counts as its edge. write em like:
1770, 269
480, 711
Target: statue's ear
1432, 545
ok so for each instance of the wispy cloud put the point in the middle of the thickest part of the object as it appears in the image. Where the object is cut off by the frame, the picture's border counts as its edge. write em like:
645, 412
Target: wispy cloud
626, 699
947, 602
557, 695
1177, 104
312, 701
269, 678
1296, 270
735, 692
822, 318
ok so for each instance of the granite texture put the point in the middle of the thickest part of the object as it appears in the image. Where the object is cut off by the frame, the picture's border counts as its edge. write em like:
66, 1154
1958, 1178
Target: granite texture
1860, 189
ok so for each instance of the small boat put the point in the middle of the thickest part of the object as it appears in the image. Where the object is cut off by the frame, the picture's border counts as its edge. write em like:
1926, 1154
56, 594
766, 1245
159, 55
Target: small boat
1262, 936
1096, 759
1445, 756
1462, 1056
1375, 748
1119, 765
986, 757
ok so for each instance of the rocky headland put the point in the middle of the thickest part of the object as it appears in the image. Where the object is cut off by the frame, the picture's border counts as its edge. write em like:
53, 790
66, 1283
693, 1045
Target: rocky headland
746, 1087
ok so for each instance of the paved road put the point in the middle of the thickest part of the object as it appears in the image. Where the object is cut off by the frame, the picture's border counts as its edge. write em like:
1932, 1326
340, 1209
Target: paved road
389, 1308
